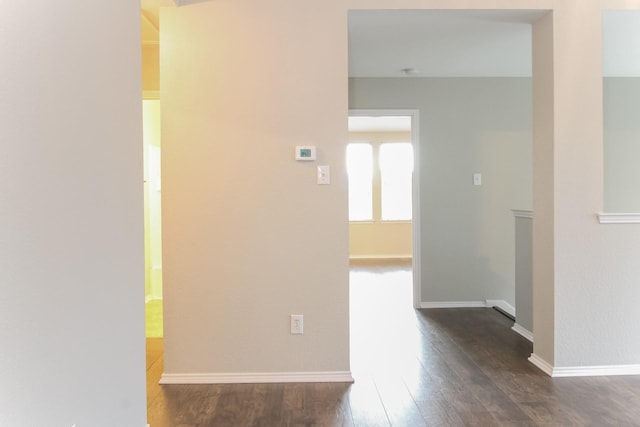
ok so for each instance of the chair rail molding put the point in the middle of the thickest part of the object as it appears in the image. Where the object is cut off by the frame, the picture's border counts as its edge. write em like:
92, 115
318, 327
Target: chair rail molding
619, 218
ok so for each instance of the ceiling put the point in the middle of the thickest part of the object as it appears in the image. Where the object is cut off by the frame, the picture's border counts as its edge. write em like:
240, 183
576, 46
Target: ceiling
450, 43
151, 17
440, 43
621, 40
380, 124
470, 43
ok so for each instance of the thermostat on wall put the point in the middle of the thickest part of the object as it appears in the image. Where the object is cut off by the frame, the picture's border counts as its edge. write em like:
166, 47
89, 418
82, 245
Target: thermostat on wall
305, 153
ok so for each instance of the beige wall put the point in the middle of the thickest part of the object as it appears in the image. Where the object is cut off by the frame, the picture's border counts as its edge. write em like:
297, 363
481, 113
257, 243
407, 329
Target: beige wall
390, 239
543, 190
150, 67
379, 239
250, 238
580, 263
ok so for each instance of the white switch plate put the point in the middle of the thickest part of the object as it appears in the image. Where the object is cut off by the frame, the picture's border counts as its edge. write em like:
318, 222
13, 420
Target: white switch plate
477, 179
297, 324
324, 175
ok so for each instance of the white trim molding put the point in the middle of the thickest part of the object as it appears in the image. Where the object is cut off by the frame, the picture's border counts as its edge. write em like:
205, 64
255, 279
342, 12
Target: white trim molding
523, 331
149, 95
541, 364
619, 218
149, 298
584, 371
258, 378
502, 305
407, 257
453, 304
596, 371
522, 213
188, 2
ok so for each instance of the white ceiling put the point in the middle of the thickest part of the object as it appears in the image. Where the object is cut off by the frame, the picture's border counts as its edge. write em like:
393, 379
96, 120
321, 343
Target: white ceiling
454, 43
379, 124
151, 17
621, 38
451, 43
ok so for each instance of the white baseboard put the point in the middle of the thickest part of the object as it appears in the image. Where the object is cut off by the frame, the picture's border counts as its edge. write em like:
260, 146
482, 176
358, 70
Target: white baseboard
596, 371
258, 377
523, 331
381, 257
584, 371
542, 364
470, 304
503, 305
452, 304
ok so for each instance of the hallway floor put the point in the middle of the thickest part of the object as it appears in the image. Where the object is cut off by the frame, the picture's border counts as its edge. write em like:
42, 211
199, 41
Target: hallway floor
436, 367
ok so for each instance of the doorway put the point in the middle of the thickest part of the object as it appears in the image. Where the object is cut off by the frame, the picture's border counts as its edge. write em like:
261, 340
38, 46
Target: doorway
152, 218
384, 190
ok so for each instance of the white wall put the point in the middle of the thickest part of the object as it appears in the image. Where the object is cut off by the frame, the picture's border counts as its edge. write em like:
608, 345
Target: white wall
71, 231
71, 201
467, 125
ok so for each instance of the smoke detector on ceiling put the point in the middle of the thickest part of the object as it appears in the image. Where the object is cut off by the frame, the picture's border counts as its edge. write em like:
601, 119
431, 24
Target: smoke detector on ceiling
409, 71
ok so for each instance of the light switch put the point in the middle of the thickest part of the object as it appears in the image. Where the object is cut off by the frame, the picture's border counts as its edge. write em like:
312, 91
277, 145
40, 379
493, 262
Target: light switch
324, 175
477, 179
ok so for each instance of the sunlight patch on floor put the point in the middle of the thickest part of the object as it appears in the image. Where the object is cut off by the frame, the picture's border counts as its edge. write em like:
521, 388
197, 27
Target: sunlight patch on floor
383, 321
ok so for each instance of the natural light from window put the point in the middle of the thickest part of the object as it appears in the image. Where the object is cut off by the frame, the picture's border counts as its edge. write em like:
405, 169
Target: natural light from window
389, 175
396, 170
360, 171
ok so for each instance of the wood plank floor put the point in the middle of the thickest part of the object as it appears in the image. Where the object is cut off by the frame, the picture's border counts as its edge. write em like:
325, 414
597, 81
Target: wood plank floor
436, 367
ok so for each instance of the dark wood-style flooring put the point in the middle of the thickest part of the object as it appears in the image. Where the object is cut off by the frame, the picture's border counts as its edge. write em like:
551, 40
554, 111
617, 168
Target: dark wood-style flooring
436, 367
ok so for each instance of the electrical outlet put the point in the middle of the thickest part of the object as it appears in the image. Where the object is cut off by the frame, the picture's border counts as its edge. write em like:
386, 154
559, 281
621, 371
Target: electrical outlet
297, 324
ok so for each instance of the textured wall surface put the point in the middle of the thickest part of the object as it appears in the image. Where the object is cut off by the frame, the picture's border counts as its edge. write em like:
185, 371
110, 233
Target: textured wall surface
71, 229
